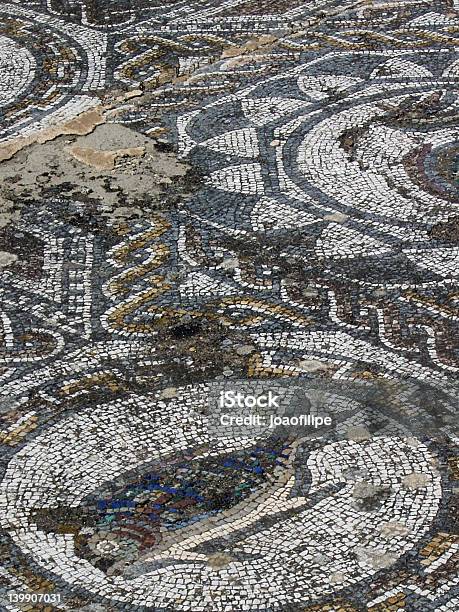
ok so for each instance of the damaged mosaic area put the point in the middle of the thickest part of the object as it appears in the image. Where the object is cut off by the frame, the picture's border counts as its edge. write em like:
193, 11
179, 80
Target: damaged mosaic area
197, 194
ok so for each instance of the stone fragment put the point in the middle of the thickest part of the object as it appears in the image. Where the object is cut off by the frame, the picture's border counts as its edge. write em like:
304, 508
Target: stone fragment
363, 490
108, 143
393, 529
218, 560
416, 480
103, 160
337, 217
6, 259
310, 292
230, 263
168, 393
337, 578
358, 433
320, 559
245, 349
312, 365
375, 558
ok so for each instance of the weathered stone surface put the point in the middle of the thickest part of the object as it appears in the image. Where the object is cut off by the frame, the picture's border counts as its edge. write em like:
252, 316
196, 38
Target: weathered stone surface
222, 211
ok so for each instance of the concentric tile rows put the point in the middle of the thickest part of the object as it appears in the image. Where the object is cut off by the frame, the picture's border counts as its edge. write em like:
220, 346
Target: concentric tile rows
316, 250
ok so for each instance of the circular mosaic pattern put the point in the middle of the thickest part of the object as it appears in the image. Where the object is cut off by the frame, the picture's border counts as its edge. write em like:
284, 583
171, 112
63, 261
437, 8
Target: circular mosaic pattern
326, 148
16, 70
52, 71
319, 518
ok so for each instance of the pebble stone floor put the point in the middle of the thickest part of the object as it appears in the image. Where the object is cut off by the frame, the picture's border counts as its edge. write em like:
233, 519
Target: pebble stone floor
309, 237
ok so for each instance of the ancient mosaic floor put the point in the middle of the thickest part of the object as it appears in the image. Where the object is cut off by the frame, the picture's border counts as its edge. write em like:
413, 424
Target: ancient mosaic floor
209, 195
